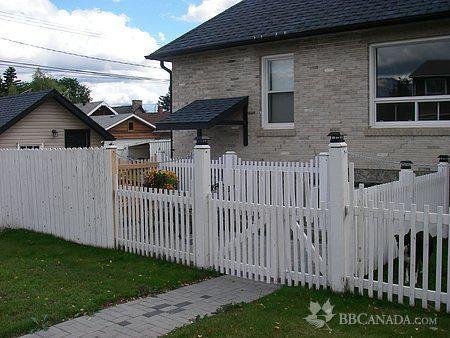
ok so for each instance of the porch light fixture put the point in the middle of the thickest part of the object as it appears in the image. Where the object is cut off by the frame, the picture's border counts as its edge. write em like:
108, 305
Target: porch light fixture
336, 137
54, 133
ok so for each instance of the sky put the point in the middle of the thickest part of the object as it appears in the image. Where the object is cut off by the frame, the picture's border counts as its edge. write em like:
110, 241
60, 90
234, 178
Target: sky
123, 30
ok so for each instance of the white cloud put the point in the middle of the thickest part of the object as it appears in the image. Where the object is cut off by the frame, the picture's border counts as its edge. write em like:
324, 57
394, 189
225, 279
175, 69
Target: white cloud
207, 9
162, 36
98, 33
123, 92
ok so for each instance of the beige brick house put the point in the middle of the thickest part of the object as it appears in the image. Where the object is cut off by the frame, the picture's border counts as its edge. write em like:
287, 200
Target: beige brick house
360, 67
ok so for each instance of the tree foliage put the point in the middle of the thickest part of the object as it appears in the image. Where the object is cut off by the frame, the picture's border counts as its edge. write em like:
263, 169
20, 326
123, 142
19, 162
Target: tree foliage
165, 101
69, 87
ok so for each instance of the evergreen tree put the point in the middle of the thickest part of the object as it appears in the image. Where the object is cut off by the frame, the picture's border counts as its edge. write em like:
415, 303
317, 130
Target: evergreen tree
2, 87
165, 101
10, 82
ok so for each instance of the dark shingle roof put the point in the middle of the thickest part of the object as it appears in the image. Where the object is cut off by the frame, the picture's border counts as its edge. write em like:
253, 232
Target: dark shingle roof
106, 121
202, 114
128, 109
87, 107
14, 108
253, 21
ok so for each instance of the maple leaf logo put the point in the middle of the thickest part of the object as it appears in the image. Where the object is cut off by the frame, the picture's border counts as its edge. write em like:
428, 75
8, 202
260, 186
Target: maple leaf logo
320, 315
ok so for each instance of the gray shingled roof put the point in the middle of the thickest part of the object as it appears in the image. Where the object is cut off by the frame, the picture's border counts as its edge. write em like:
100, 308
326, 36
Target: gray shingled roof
87, 108
254, 21
12, 106
106, 121
202, 114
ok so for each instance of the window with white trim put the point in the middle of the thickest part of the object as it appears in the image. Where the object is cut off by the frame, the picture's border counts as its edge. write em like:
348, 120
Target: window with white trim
410, 83
278, 92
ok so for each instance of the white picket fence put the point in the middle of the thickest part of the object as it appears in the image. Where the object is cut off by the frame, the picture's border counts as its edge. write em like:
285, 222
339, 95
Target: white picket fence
155, 223
63, 192
286, 183
431, 189
392, 229
288, 223
382, 265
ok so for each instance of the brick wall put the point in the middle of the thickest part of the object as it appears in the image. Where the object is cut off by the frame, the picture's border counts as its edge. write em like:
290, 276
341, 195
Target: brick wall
331, 92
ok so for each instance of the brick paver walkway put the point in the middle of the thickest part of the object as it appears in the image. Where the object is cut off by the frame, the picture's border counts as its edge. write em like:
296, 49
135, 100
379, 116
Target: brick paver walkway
158, 315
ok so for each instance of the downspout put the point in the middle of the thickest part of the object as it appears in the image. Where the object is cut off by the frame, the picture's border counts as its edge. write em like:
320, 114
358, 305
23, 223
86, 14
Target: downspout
163, 66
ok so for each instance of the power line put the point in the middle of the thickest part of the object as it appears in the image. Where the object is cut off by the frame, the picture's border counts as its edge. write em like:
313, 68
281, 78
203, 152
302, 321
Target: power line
59, 28
79, 55
22, 16
77, 71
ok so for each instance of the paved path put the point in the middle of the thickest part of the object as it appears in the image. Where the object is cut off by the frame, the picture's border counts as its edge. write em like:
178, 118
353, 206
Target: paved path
158, 315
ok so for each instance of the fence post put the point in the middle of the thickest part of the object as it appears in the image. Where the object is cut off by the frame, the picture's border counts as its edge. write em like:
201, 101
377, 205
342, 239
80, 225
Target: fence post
323, 178
406, 177
112, 209
443, 168
202, 190
340, 248
230, 160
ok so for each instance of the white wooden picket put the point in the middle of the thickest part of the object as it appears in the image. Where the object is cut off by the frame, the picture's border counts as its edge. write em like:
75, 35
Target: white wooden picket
64, 192
155, 223
268, 242
406, 231
184, 169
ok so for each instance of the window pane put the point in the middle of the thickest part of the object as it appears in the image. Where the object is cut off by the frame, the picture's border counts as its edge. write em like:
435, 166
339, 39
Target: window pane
444, 111
281, 75
428, 111
402, 70
281, 108
435, 87
391, 112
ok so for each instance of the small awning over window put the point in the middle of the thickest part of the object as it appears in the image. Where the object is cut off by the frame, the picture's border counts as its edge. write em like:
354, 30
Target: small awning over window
204, 114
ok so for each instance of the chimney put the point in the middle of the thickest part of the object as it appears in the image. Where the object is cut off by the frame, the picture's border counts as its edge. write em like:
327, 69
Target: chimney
135, 104
160, 109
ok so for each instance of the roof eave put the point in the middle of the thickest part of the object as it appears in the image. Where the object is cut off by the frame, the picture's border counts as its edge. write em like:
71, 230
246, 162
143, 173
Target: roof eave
168, 56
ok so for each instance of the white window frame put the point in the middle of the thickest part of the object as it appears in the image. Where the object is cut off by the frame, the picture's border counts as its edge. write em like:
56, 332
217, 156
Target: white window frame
373, 100
39, 146
265, 92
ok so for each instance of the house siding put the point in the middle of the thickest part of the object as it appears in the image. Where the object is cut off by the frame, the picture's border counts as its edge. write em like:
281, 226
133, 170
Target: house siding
331, 93
141, 130
37, 126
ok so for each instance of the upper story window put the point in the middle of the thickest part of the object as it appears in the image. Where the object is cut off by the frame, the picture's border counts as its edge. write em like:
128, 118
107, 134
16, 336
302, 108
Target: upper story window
278, 92
130, 126
410, 83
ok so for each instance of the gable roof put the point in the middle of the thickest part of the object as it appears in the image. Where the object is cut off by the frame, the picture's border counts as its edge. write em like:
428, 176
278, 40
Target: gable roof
14, 108
90, 107
110, 121
255, 21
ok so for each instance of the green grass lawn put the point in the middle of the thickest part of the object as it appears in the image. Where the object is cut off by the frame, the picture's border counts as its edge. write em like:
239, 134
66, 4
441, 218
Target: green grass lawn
282, 315
44, 280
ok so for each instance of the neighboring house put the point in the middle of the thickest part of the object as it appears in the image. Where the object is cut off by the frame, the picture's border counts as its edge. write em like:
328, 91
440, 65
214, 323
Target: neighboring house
46, 119
98, 108
308, 67
133, 128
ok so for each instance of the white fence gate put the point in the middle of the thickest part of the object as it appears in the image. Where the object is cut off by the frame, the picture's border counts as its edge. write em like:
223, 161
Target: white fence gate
63, 192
